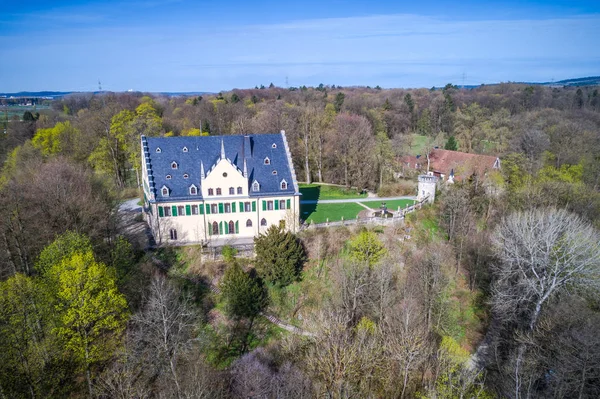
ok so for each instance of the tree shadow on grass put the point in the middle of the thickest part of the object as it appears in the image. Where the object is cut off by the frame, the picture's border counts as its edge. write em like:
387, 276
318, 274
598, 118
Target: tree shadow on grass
309, 193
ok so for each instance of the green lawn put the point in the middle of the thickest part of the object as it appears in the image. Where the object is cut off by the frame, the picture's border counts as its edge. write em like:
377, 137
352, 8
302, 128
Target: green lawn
324, 192
334, 212
392, 205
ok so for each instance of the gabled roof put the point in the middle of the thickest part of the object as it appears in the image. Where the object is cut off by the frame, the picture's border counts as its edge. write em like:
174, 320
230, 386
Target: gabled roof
206, 151
461, 163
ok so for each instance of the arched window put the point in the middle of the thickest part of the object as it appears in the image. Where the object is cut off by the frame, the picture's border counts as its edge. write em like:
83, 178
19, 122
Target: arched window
218, 191
263, 222
173, 234
239, 190
231, 191
211, 191
231, 227
193, 190
267, 161
248, 223
215, 228
283, 185
255, 186
173, 165
164, 191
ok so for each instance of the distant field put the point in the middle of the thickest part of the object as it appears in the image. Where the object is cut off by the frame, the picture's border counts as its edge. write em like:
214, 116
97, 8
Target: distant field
320, 212
19, 110
325, 192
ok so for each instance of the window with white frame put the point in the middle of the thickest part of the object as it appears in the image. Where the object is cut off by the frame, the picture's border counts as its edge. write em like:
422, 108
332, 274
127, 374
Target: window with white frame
227, 207
283, 185
255, 186
174, 165
194, 209
158, 150
164, 191
167, 210
269, 205
247, 207
193, 190
282, 204
267, 161
214, 208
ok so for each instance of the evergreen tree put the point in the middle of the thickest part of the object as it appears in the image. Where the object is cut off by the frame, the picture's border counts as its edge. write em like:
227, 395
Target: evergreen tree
279, 256
451, 144
339, 101
244, 296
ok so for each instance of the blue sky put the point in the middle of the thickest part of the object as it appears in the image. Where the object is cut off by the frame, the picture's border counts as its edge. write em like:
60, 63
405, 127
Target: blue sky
179, 45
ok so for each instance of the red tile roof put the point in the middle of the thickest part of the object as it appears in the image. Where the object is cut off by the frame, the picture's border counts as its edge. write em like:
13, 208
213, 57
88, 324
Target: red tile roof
444, 161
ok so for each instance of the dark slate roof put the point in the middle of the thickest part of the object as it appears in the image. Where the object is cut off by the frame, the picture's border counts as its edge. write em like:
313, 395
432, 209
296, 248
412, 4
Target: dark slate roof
207, 149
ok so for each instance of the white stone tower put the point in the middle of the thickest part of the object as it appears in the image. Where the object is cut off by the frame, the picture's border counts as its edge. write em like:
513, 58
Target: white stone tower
426, 188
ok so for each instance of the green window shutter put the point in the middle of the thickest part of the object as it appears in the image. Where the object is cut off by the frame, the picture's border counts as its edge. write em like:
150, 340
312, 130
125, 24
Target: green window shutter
188, 210
174, 209
264, 205
233, 207
201, 208
220, 227
209, 228
242, 209
207, 209
237, 227
226, 227
253, 206
276, 205
287, 203
220, 207
160, 212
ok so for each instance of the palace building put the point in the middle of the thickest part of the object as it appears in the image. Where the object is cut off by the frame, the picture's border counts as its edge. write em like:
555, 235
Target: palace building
216, 189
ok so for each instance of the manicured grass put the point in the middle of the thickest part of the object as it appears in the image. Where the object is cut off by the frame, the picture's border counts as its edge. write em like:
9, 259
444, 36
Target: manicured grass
391, 205
325, 192
334, 212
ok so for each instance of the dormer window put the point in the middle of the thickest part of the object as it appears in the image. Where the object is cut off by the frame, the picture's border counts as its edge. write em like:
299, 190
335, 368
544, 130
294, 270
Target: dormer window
185, 175
193, 190
158, 150
185, 149
164, 191
267, 161
255, 186
274, 172
174, 165
274, 145
283, 185
168, 177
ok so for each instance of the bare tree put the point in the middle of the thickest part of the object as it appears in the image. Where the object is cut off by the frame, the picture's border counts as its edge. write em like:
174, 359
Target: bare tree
164, 330
541, 253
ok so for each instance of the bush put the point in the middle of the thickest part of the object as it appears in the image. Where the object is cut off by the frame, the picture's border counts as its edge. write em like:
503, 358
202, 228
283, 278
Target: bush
401, 187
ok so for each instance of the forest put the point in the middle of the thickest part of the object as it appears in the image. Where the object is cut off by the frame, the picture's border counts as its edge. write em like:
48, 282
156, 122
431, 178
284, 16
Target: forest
483, 294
